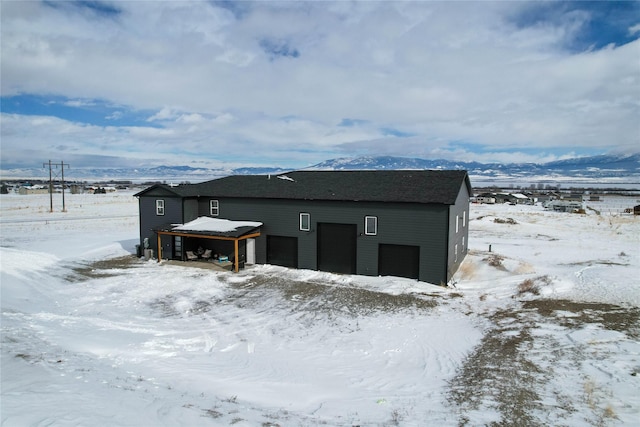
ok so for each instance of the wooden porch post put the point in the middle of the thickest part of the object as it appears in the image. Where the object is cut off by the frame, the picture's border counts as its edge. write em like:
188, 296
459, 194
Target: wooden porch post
236, 260
159, 248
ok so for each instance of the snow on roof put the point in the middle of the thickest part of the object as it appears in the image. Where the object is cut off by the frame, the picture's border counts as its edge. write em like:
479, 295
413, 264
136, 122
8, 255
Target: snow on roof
218, 225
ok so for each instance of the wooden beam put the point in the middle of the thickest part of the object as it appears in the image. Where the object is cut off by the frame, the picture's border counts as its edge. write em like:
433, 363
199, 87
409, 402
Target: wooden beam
236, 260
204, 236
159, 247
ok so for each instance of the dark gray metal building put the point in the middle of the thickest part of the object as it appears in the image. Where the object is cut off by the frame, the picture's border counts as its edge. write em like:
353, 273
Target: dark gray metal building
408, 223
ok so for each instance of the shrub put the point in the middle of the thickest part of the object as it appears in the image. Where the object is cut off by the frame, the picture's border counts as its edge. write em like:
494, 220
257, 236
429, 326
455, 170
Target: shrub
494, 260
528, 286
505, 221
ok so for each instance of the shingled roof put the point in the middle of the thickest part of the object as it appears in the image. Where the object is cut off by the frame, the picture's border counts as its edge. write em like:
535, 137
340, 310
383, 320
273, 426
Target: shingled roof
406, 186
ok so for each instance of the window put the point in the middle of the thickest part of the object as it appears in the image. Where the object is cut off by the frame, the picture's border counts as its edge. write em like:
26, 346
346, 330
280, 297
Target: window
457, 222
370, 225
159, 207
455, 251
214, 208
305, 222
464, 218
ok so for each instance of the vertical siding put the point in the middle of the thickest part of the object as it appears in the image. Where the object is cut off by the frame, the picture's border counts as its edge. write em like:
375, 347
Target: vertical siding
280, 218
459, 212
149, 220
403, 224
191, 210
430, 227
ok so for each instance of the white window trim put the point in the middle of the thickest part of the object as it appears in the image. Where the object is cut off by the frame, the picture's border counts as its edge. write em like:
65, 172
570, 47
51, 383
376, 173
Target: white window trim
214, 207
160, 207
366, 225
308, 218
464, 218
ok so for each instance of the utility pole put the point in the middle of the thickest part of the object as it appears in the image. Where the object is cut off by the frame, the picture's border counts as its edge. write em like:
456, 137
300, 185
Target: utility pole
62, 166
50, 188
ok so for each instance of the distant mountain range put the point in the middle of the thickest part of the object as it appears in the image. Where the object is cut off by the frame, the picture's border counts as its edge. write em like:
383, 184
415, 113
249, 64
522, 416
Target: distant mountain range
595, 167
604, 168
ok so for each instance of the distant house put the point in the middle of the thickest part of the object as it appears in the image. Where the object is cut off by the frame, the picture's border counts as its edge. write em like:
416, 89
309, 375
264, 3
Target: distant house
486, 198
399, 223
504, 198
101, 189
563, 205
573, 197
522, 199
515, 198
543, 197
33, 189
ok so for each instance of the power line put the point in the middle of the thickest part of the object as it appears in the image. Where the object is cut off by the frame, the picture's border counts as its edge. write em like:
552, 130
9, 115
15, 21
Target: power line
62, 166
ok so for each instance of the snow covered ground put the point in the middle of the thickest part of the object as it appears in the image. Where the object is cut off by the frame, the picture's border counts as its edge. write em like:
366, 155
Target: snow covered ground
541, 330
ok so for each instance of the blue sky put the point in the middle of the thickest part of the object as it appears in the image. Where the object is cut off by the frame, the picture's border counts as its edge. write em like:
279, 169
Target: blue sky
222, 83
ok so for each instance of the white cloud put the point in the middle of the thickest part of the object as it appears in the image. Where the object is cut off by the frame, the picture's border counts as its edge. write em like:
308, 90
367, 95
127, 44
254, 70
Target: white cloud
190, 118
236, 57
79, 103
164, 114
444, 72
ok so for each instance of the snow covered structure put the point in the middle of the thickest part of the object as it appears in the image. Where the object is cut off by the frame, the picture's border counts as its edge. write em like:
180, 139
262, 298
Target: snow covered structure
34, 189
522, 199
563, 205
407, 223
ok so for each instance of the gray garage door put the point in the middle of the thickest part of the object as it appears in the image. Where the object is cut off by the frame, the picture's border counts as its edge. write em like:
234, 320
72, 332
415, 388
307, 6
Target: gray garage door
337, 247
282, 251
399, 260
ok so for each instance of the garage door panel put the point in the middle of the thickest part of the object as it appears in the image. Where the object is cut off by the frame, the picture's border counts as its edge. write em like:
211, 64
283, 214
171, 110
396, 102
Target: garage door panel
399, 260
283, 251
337, 247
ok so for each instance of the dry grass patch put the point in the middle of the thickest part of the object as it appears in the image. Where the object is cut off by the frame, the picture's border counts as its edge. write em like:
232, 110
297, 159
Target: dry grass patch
309, 299
321, 297
532, 286
467, 269
499, 374
612, 317
102, 268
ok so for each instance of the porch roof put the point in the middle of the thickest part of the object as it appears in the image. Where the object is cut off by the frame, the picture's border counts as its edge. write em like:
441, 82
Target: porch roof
211, 227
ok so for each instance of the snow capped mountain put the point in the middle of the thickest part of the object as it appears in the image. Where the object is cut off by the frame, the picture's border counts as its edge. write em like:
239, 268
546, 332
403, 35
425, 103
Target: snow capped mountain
389, 163
605, 166
623, 168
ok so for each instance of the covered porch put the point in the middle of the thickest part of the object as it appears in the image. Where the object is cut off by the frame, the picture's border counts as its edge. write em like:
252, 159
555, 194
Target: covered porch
209, 239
